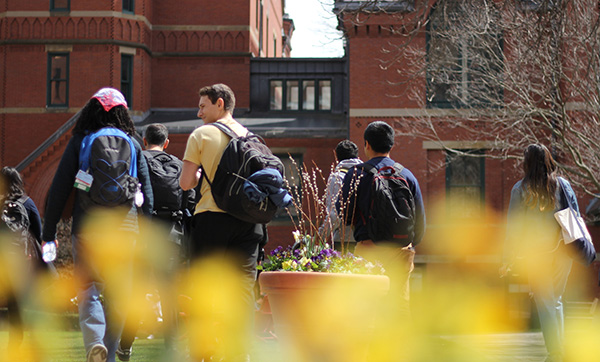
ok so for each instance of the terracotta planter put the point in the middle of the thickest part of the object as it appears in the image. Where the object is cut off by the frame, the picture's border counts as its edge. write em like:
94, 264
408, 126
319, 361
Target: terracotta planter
324, 316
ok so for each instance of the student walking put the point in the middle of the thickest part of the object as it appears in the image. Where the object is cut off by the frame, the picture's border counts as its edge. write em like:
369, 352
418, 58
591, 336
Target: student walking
376, 230
172, 209
22, 225
534, 236
346, 154
111, 175
214, 231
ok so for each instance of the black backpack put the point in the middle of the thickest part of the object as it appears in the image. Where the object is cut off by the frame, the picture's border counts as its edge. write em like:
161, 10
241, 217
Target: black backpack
165, 170
392, 209
109, 156
242, 157
16, 219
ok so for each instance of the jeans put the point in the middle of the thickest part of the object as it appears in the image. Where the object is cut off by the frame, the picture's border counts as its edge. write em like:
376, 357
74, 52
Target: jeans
547, 287
96, 325
100, 321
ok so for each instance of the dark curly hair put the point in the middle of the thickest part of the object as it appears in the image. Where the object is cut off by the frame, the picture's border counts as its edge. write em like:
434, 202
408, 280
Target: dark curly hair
15, 188
93, 117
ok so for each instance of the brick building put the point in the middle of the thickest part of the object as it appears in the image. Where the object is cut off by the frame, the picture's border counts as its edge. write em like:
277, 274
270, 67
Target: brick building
54, 54
466, 197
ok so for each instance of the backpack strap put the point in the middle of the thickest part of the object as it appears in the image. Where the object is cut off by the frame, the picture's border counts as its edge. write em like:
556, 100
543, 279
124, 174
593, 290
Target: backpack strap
398, 167
228, 131
225, 129
374, 170
22, 199
86, 148
368, 167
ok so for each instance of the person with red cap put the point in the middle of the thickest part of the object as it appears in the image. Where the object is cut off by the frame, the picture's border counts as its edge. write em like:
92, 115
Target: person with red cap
100, 322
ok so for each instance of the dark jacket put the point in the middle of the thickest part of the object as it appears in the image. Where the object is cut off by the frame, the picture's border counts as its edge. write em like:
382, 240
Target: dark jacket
361, 200
35, 222
62, 186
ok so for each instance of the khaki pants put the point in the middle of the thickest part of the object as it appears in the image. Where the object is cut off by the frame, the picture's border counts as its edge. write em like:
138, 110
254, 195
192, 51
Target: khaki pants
398, 263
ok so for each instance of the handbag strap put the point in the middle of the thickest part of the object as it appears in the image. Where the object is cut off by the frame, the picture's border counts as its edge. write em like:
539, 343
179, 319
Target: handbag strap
562, 190
573, 210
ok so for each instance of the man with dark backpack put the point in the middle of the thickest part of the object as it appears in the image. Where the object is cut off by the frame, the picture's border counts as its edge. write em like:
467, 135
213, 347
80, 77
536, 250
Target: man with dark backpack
173, 207
382, 200
171, 204
216, 231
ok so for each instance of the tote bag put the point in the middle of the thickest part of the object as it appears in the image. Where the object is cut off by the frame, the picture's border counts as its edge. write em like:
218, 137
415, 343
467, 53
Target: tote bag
575, 233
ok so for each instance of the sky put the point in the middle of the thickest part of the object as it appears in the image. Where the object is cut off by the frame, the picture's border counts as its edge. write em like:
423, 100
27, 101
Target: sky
315, 34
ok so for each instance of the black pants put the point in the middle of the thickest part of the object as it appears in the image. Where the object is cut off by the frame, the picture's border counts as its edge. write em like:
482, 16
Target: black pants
222, 236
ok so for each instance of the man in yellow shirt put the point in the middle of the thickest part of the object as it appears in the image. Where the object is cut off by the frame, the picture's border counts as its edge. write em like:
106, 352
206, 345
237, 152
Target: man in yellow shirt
214, 232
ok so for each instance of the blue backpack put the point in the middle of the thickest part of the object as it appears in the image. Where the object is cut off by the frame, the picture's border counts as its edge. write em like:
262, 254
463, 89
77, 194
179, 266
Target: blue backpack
109, 156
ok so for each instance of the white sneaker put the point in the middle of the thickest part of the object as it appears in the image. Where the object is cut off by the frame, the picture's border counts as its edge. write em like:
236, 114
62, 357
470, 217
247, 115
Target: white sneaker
98, 353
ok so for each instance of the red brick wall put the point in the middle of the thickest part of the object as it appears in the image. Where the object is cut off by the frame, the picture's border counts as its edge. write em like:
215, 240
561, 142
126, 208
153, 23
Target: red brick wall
171, 90
201, 12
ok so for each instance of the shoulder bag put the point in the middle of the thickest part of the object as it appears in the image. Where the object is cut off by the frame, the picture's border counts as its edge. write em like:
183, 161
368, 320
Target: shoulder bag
574, 232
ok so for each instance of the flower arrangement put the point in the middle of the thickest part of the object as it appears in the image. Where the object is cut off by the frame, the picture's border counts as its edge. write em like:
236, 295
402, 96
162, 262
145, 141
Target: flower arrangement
311, 250
306, 255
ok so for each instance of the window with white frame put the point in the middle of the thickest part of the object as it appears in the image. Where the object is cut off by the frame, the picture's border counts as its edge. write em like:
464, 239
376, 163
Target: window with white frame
464, 57
300, 95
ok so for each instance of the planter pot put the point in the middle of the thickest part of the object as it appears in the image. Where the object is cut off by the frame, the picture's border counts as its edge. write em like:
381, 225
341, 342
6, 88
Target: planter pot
324, 316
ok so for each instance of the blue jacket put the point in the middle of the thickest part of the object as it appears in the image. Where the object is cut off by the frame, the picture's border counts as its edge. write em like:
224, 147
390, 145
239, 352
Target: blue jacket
360, 201
267, 183
525, 224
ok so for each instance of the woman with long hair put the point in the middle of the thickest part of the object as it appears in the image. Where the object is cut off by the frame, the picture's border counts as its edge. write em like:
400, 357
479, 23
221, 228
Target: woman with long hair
100, 322
534, 236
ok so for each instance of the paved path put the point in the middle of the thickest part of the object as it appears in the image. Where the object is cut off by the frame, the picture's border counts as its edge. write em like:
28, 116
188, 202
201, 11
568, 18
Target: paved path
503, 347
508, 347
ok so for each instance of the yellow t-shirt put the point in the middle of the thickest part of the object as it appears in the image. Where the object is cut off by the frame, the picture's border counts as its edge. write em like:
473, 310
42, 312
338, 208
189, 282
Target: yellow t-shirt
205, 147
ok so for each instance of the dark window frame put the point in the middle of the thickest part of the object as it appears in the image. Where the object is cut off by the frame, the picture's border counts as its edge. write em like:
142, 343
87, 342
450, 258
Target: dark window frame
129, 9
283, 215
50, 79
127, 84
54, 8
540, 6
317, 83
479, 156
260, 29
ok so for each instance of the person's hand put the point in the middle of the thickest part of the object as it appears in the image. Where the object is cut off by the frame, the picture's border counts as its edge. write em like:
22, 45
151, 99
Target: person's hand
504, 269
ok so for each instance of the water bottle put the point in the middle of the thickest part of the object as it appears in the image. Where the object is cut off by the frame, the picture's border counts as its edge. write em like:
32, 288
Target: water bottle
49, 251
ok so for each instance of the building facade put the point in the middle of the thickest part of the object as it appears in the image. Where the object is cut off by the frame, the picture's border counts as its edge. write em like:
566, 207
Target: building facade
54, 54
